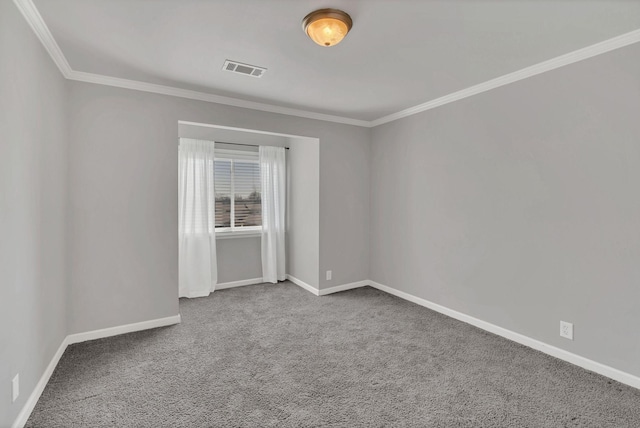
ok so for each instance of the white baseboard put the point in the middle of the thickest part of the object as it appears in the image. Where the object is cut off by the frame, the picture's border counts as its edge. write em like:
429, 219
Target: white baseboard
303, 284
122, 329
343, 287
242, 283
325, 291
585, 363
29, 405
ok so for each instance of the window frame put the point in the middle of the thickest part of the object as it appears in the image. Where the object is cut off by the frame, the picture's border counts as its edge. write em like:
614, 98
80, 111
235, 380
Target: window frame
233, 231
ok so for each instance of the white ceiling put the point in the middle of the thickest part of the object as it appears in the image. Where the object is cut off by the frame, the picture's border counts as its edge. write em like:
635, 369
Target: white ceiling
400, 53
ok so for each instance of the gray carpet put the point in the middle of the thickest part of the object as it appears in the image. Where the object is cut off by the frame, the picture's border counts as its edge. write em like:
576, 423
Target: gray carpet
275, 355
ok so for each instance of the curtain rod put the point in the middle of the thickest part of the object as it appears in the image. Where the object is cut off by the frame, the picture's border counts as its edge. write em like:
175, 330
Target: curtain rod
240, 144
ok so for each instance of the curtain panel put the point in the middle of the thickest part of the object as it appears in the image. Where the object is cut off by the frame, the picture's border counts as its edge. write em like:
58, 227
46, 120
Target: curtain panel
198, 270
273, 181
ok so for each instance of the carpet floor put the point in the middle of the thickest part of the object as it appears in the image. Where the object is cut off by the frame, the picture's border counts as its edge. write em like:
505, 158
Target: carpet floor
277, 356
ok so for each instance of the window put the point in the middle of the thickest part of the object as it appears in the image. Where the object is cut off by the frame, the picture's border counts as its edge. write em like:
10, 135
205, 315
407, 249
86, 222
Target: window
237, 188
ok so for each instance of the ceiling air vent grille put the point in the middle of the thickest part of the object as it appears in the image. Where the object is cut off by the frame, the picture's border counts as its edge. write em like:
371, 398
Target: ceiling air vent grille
246, 69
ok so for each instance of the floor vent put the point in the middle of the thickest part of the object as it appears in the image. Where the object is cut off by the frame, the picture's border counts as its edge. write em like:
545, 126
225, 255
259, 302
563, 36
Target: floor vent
246, 69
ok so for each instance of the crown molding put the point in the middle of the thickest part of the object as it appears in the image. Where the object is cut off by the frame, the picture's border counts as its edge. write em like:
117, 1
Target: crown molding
33, 17
100, 79
557, 62
35, 21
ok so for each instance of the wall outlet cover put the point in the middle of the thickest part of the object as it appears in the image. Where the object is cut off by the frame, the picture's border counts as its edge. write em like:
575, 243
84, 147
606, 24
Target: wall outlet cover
328, 275
566, 330
15, 387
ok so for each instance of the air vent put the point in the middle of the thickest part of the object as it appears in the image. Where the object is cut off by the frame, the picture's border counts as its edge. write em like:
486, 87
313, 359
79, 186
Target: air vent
246, 69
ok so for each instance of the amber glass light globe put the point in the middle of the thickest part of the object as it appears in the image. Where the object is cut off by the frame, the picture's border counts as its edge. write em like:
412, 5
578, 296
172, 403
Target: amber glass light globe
327, 27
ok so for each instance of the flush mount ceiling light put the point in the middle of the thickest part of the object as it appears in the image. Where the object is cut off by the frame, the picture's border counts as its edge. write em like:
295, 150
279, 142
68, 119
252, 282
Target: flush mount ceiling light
327, 27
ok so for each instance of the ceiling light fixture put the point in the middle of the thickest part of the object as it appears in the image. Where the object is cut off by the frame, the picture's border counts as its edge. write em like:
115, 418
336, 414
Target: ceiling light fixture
327, 27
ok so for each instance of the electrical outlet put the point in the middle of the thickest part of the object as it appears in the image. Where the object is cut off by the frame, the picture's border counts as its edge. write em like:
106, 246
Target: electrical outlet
15, 387
328, 275
566, 330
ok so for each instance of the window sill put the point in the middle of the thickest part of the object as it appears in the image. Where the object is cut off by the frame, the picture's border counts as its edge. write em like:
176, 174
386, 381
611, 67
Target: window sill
239, 234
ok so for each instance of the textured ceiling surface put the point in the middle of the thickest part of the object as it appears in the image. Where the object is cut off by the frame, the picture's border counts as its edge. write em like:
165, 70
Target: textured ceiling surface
400, 53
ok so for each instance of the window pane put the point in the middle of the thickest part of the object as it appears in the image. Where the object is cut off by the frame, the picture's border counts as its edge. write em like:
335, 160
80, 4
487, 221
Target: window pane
223, 193
248, 205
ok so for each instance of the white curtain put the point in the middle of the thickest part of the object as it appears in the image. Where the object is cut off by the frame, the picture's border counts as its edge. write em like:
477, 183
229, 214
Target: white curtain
273, 180
198, 270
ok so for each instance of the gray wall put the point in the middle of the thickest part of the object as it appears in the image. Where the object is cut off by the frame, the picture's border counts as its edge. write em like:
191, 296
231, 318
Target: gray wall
239, 259
33, 198
203, 132
520, 206
123, 205
303, 220
344, 206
